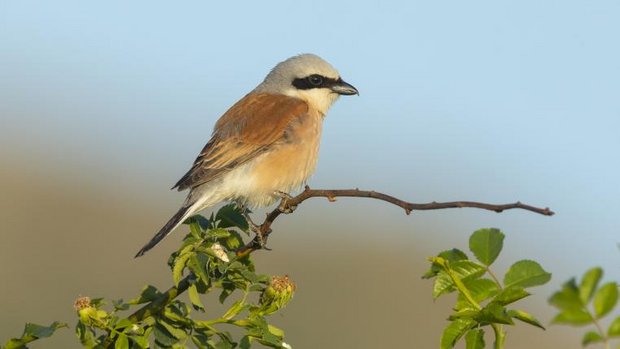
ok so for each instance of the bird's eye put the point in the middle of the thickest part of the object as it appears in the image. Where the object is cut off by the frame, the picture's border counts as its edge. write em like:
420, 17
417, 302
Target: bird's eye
315, 80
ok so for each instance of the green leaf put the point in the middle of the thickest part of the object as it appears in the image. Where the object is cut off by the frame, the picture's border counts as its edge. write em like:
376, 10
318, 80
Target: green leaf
33, 332
148, 294
591, 337
234, 241
119, 305
121, 342
589, 282
86, 335
177, 311
123, 323
469, 312
526, 273
200, 341
97, 302
194, 298
227, 290
234, 309
39, 331
248, 275
494, 313
510, 295
175, 332
245, 343
614, 328
568, 297
198, 265
442, 284
452, 255
576, 317
180, 262
230, 216
276, 331
525, 317
605, 299
219, 233
141, 341
480, 290
454, 331
194, 226
271, 339
486, 244
464, 269
202, 222
474, 339
226, 341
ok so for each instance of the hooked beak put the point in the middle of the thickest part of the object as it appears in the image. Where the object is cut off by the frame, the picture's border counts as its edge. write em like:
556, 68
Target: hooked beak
342, 87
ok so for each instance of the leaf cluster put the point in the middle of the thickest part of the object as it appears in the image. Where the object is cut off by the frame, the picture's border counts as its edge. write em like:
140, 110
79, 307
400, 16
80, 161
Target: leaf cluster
587, 303
205, 263
482, 299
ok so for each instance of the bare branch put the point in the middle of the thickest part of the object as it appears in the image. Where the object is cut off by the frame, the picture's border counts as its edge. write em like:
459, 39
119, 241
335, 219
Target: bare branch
287, 205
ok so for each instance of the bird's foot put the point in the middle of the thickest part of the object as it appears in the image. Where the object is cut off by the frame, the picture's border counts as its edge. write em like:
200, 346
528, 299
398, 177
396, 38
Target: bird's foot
284, 206
261, 238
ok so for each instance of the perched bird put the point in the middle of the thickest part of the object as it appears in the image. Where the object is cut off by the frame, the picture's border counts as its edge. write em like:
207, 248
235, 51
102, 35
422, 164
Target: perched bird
266, 144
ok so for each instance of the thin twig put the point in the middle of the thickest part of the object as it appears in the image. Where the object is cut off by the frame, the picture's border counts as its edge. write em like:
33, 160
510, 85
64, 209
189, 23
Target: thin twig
331, 194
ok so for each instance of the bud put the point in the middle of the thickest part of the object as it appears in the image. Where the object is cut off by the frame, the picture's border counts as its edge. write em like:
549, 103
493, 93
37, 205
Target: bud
84, 308
277, 294
88, 312
81, 303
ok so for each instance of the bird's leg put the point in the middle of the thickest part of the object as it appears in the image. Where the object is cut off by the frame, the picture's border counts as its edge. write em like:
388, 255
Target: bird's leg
284, 206
253, 226
262, 239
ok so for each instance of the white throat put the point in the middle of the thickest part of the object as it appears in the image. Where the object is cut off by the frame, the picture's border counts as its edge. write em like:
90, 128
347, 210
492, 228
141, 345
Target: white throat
318, 99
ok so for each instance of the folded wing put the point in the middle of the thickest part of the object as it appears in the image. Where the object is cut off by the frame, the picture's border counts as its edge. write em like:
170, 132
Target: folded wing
250, 127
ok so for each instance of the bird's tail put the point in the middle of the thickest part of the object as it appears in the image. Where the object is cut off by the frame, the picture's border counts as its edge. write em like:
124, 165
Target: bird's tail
174, 222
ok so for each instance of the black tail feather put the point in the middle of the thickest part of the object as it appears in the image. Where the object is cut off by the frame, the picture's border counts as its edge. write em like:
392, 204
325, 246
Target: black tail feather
165, 231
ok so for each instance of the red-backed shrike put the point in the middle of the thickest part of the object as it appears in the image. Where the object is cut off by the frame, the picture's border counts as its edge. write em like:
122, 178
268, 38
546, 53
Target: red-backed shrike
264, 145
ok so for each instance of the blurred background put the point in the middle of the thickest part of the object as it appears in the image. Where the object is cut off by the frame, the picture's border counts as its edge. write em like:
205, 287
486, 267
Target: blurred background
104, 106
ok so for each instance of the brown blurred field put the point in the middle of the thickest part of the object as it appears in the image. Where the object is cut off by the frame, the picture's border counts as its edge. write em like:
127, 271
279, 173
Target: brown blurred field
67, 233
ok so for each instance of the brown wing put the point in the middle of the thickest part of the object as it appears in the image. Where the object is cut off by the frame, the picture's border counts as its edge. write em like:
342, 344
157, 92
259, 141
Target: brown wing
246, 130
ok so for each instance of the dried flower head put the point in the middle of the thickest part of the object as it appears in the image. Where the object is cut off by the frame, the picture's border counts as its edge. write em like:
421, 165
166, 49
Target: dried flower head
81, 303
277, 294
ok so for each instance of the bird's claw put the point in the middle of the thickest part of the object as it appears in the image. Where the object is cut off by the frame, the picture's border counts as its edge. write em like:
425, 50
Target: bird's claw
256, 229
261, 238
284, 206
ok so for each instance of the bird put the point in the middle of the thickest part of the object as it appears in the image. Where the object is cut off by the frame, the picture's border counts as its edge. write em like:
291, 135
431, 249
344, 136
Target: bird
266, 145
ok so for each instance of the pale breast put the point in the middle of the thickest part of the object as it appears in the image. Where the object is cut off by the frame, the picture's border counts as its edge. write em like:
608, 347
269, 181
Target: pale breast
289, 164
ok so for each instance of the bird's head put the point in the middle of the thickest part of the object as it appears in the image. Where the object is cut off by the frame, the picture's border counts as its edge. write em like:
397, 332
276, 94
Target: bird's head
307, 77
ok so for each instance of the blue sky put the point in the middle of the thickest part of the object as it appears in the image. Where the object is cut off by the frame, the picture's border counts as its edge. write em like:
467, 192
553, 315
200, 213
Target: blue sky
479, 100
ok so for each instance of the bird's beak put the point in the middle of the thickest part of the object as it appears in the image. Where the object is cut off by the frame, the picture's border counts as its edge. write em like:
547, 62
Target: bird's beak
342, 87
